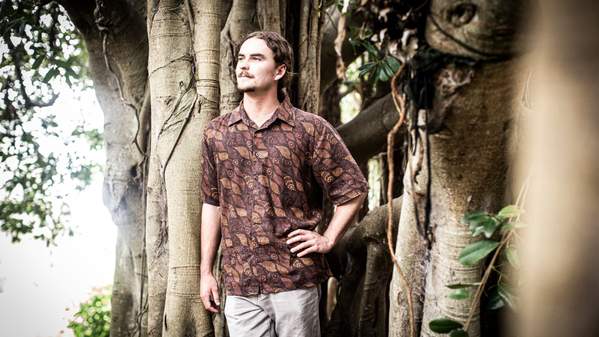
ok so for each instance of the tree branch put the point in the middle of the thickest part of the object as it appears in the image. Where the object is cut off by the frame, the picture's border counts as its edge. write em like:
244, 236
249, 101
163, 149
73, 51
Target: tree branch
365, 135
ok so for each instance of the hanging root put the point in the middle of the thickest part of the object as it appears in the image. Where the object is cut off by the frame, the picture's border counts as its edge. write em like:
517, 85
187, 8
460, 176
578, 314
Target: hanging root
399, 102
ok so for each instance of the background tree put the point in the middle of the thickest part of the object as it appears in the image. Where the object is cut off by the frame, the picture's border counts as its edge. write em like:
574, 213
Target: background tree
41, 50
560, 159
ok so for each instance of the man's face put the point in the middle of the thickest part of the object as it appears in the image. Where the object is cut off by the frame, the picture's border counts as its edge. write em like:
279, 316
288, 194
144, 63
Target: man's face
256, 69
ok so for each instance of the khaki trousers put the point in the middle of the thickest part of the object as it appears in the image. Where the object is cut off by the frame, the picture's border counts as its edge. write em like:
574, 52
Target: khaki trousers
291, 313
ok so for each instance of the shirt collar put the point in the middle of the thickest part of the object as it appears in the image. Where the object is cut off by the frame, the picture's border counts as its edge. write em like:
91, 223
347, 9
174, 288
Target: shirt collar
284, 112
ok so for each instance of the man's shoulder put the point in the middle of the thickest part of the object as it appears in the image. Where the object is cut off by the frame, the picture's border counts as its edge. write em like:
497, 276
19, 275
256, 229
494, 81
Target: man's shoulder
215, 128
219, 122
311, 118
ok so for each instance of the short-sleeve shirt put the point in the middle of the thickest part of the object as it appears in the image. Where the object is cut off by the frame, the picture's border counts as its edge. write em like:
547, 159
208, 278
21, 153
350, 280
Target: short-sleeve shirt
268, 182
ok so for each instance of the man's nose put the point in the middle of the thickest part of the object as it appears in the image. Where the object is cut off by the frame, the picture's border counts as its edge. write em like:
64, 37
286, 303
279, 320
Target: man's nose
242, 64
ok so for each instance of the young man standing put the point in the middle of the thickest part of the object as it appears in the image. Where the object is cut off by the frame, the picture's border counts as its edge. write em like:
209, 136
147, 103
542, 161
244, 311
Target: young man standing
265, 165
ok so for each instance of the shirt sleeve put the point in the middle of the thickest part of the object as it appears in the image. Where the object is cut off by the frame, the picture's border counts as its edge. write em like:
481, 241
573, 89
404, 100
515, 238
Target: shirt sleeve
334, 167
209, 184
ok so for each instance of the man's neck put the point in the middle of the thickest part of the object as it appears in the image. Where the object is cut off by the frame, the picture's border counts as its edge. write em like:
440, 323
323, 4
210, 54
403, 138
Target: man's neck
259, 106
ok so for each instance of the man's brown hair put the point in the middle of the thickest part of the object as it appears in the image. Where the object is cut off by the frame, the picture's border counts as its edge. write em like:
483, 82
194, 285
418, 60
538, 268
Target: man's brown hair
283, 54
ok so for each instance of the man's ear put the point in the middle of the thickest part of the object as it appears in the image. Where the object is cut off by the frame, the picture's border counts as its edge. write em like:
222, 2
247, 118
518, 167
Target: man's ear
280, 72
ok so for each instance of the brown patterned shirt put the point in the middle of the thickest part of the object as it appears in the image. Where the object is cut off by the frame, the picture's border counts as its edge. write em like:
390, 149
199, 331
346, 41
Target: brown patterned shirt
268, 181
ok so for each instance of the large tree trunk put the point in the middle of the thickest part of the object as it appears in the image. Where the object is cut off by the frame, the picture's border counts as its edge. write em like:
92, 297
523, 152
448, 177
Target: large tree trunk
462, 162
118, 70
169, 64
481, 151
184, 36
561, 157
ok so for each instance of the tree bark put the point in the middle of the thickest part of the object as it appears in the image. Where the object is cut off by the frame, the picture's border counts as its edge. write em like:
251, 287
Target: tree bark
475, 142
270, 15
240, 22
465, 159
184, 47
309, 45
170, 75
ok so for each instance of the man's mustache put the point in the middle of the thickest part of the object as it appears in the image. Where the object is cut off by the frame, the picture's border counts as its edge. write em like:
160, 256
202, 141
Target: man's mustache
245, 75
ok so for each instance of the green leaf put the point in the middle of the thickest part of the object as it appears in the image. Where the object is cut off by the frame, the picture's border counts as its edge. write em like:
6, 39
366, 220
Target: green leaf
393, 63
477, 251
487, 227
458, 333
382, 74
507, 226
475, 219
462, 285
370, 48
505, 294
50, 74
512, 257
38, 61
510, 211
70, 72
495, 301
474, 216
365, 68
519, 224
444, 325
386, 72
460, 294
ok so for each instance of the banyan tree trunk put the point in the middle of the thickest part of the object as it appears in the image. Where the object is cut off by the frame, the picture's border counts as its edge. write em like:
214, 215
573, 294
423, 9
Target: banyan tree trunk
457, 161
183, 67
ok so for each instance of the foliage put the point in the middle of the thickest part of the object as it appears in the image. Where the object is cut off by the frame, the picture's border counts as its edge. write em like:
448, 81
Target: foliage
498, 231
382, 32
93, 317
40, 49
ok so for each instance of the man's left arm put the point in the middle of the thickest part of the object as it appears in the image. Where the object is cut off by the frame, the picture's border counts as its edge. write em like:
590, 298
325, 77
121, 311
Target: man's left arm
337, 172
312, 242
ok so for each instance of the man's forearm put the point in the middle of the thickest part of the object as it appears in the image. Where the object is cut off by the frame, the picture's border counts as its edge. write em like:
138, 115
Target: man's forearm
209, 236
342, 217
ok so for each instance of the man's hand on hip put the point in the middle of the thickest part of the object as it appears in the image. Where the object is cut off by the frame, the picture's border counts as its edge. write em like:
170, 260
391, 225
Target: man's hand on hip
209, 292
310, 242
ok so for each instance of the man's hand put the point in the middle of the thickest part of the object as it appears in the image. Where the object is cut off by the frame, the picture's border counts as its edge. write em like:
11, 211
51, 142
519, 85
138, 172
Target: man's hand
311, 242
209, 292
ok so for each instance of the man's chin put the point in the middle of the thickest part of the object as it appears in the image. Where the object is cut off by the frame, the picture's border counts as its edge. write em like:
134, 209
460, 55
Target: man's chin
246, 89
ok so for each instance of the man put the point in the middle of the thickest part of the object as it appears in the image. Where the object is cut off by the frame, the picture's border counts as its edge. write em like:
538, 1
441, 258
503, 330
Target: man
265, 165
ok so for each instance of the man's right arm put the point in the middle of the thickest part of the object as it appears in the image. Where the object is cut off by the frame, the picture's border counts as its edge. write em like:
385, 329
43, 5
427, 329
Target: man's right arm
209, 241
